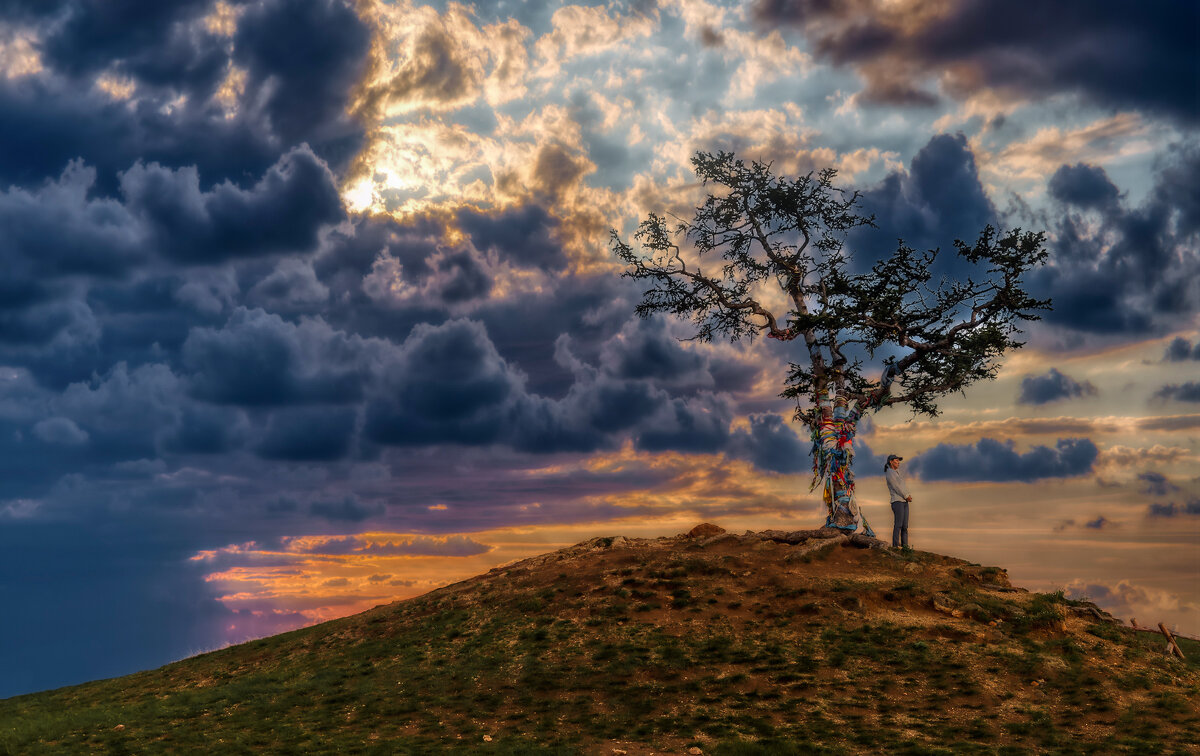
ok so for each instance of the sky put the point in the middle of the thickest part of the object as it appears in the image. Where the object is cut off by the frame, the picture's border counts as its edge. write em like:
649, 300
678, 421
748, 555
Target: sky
307, 306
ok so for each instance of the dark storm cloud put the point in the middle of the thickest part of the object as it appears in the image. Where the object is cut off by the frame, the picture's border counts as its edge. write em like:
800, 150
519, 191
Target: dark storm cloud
771, 444
1138, 270
347, 509
1082, 185
363, 263
308, 434
1171, 509
292, 287
352, 251
207, 430
1170, 422
589, 308
302, 60
1099, 523
866, 461
692, 425
938, 200
82, 431
992, 460
306, 56
1135, 271
1181, 349
1114, 54
161, 43
612, 406
61, 431
645, 350
460, 277
525, 235
1156, 484
80, 264
64, 326
281, 213
58, 229
258, 359
1183, 392
1052, 387
448, 384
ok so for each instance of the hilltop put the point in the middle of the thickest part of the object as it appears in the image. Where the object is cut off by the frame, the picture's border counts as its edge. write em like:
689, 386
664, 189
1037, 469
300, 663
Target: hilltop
769, 642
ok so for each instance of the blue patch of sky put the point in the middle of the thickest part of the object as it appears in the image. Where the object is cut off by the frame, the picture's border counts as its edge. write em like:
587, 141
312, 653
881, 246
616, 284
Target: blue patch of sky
479, 118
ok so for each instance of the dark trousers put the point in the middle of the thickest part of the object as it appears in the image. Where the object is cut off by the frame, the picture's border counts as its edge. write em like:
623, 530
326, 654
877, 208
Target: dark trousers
900, 523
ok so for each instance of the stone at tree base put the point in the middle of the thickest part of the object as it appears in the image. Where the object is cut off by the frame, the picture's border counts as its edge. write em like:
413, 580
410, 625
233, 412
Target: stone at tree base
867, 542
722, 538
805, 550
799, 536
705, 530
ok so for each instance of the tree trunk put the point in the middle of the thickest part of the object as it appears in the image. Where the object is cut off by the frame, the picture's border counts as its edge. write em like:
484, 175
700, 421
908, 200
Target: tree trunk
833, 455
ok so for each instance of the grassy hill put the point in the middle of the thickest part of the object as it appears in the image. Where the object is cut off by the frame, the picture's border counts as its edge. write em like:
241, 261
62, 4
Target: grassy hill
759, 643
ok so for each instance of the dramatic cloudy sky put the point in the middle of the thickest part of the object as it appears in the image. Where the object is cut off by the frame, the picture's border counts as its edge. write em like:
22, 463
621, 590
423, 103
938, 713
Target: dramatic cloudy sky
306, 305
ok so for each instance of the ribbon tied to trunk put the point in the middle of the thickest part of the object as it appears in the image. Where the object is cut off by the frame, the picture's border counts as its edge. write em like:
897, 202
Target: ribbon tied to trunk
832, 455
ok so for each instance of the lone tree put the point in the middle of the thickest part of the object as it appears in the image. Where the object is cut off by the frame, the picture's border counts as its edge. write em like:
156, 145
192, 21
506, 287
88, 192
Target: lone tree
765, 254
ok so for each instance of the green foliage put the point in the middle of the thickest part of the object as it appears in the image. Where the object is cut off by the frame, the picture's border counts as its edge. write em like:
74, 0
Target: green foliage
1044, 613
758, 228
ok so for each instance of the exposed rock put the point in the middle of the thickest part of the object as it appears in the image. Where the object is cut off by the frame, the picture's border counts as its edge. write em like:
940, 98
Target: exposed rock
1092, 612
974, 611
851, 603
722, 538
807, 550
945, 608
867, 542
705, 530
605, 542
694, 751
798, 536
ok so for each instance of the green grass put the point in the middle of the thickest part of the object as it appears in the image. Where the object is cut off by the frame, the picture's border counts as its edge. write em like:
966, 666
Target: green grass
556, 664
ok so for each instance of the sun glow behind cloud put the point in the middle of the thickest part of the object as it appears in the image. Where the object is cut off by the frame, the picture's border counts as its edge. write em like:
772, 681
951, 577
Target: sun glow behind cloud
493, 115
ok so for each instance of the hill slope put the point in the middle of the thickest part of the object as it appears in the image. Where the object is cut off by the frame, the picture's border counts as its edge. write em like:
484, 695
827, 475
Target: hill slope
762, 643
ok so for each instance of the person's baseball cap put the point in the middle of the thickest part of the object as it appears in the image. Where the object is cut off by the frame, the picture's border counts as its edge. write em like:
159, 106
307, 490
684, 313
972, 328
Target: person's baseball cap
893, 456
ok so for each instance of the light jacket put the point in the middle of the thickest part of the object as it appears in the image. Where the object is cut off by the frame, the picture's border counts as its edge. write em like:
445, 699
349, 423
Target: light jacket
897, 489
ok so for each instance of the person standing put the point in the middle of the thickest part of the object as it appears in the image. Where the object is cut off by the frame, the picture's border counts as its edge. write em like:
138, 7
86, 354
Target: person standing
901, 498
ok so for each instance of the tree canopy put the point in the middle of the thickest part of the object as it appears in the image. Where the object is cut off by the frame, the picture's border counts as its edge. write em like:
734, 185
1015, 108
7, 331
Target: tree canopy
766, 254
